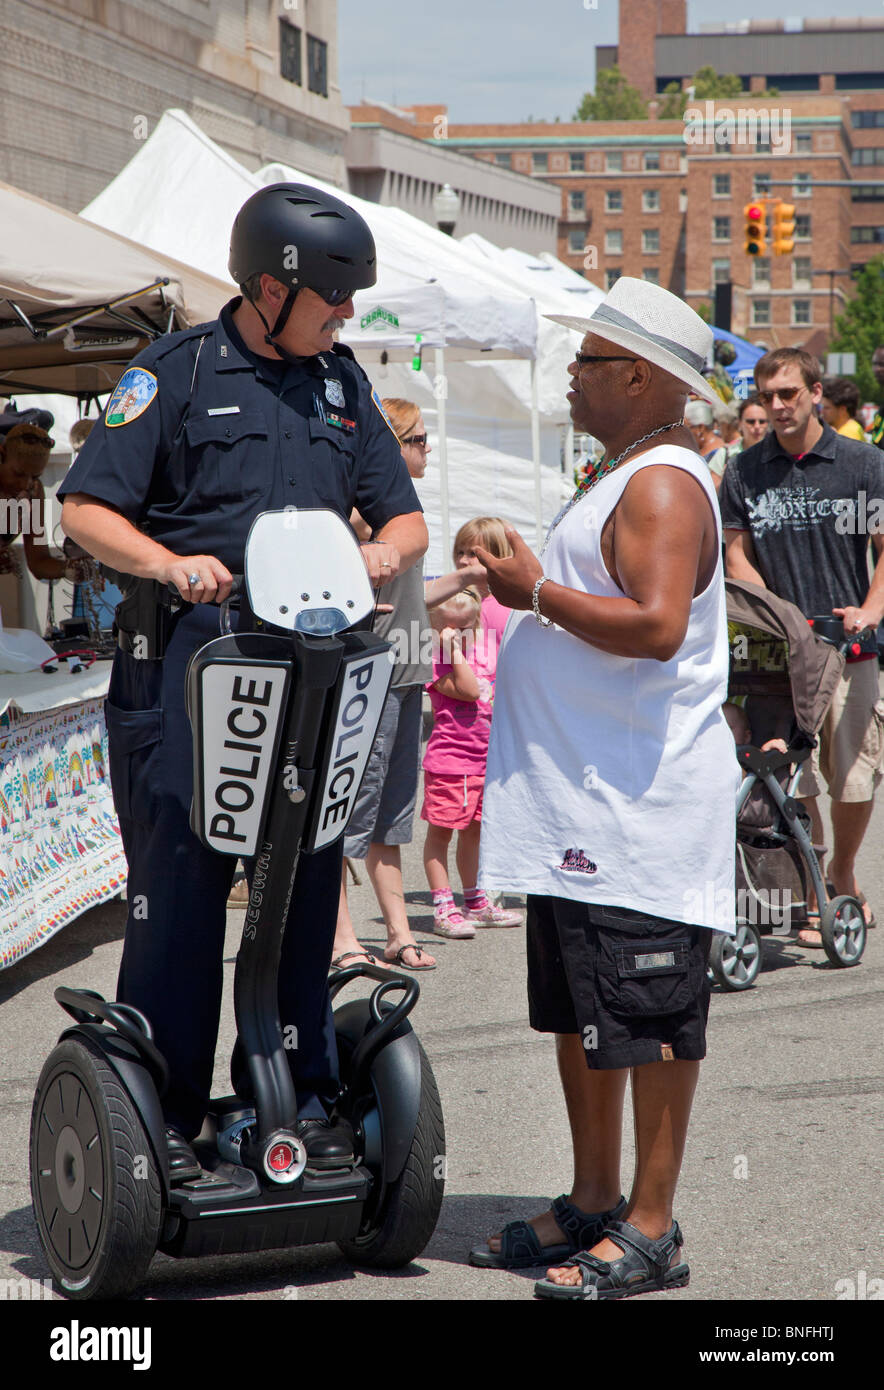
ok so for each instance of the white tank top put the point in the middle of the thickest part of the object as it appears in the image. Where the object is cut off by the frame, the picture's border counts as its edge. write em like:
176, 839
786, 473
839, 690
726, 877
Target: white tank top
613, 779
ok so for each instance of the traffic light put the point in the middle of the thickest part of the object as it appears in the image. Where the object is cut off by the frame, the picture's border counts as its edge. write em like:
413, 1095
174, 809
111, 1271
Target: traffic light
755, 216
783, 228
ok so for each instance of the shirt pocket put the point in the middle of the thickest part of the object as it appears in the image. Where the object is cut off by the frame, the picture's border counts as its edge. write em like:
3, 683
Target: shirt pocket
333, 465
228, 455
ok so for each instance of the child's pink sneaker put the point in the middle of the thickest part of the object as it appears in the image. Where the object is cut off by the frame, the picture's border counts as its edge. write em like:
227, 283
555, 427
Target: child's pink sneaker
448, 920
489, 915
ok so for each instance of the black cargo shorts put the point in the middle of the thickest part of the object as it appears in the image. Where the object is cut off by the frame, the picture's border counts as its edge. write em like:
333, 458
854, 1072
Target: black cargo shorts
633, 986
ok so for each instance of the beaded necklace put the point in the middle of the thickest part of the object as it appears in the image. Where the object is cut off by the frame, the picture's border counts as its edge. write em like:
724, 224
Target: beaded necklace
599, 471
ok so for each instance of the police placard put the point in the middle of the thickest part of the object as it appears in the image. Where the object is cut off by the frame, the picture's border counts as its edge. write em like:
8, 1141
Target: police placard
362, 689
237, 707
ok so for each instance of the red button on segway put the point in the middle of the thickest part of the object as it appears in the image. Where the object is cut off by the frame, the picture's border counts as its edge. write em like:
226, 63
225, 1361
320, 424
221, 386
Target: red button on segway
281, 1157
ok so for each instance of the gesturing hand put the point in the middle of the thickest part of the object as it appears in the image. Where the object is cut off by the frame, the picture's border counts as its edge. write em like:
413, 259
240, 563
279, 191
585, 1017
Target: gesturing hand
512, 581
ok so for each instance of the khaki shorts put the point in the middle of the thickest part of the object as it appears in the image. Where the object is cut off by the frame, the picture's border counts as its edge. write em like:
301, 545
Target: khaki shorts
850, 752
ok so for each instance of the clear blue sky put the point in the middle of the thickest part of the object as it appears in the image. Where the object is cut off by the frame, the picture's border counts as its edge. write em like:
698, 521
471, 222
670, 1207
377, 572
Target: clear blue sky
506, 60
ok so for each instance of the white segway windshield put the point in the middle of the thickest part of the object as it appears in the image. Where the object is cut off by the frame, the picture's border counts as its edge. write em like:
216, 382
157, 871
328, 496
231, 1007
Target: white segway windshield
305, 572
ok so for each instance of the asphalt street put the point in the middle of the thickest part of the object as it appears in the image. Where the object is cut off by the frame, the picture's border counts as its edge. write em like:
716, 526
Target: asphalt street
780, 1191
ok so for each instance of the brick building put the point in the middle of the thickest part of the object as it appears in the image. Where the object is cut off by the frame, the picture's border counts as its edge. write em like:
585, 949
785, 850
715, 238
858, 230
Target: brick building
82, 80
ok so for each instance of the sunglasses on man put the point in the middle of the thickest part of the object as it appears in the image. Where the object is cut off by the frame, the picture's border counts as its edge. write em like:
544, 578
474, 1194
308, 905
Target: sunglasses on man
332, 297
786, 395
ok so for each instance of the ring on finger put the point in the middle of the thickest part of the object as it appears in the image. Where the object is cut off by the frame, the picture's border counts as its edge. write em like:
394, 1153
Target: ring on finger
193, 580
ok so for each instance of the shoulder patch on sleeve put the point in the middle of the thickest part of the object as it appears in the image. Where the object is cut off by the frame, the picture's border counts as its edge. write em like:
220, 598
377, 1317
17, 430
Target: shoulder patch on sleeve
377, 400
132, 395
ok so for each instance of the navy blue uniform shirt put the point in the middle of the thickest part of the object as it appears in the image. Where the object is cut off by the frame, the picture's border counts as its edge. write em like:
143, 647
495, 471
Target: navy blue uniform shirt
226, 434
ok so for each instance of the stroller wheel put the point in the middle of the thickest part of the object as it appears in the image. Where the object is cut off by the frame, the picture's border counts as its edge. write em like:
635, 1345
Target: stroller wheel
843, 929
735, 961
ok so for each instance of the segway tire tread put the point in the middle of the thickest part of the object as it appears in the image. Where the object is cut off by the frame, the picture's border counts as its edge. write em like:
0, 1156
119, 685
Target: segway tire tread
411, 1205
130, 1224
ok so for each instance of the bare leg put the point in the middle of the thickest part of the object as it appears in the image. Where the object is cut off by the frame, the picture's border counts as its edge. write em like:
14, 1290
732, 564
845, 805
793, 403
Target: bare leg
384, 865
346, 940
436, 857
594, 1101
467, 854
662, 1095
850, 821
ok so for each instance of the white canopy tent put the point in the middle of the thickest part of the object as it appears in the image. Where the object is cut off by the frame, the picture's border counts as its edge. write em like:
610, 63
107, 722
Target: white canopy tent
180, 193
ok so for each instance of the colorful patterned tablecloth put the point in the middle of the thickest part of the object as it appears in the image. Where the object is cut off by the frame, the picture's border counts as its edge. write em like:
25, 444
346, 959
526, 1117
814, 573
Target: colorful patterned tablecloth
60, 847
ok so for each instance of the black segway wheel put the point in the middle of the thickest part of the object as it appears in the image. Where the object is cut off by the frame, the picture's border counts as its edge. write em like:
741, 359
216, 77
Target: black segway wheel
735, 961
94, 1179
406, 1216
843, 929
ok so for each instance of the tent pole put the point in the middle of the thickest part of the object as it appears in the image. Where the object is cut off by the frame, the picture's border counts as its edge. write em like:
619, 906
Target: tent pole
535, 453
440, 386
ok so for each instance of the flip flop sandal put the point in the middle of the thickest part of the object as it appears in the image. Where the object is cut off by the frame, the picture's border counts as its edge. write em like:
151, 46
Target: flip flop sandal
643, 1268
398, 963
520, 1248
357, 955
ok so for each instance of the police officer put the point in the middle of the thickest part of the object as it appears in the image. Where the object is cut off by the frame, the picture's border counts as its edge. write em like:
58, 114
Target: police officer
256, 411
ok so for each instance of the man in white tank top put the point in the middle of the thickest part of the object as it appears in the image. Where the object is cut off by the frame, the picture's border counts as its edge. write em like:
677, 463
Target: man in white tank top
609, 797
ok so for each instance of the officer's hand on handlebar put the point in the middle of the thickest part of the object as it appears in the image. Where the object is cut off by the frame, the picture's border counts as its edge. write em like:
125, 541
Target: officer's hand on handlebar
198, 578
382, 562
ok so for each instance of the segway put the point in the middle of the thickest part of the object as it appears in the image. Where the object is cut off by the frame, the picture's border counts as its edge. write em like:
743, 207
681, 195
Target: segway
283, 720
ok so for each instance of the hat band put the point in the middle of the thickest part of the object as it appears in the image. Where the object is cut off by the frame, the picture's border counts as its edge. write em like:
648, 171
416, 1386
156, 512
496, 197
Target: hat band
605, 314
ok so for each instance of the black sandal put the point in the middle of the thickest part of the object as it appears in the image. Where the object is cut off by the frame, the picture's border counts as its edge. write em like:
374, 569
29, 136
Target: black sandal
645, 1267
520, 1248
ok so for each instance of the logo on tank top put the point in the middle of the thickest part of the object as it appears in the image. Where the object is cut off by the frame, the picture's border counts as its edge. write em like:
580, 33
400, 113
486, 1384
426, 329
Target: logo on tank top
576, 862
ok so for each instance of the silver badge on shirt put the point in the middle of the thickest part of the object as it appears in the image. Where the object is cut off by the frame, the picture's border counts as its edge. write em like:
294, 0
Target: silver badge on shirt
334, 391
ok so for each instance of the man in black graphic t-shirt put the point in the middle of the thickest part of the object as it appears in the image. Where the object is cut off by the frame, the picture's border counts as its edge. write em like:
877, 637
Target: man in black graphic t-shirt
798, 510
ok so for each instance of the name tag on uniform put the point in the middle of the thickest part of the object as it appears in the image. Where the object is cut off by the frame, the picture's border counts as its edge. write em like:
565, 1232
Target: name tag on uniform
224, 410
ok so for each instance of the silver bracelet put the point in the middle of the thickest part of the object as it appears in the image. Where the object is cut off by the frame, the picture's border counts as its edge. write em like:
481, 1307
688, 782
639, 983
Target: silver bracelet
544, 622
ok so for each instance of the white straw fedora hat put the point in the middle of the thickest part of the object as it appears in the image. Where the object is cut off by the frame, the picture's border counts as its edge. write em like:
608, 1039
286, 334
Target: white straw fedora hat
655, 325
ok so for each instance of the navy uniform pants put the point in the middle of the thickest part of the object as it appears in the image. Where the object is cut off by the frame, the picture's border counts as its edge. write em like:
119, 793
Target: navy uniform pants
177, 891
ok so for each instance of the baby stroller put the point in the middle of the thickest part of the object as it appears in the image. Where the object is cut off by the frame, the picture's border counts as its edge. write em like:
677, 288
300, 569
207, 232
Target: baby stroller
783, 675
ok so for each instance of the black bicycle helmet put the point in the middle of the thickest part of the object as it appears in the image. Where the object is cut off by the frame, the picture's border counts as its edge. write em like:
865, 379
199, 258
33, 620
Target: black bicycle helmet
304, 238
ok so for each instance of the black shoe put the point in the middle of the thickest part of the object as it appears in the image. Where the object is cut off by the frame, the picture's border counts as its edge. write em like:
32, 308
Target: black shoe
183, 1162
328, 1145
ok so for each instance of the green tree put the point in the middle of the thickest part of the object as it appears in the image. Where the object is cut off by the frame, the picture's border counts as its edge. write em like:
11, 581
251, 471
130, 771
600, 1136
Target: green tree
614, 99
705, 311
708, 85
860, 328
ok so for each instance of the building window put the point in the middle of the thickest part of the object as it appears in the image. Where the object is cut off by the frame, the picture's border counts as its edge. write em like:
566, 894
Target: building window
721, 272
614, 200
721, 229
317, 66
614, 243
802, 277
803, 143
577, 200
651, 200
802, 226
651, 242
575, 243
761, 313
504, 158
577, 164
762, 147
801, 186
866, 120
614, 163
289, 52
612, 276
867, 234
760, 185
651, 273
761, 270
540, 163
721, 185
871, 156
801, 315
652, 161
